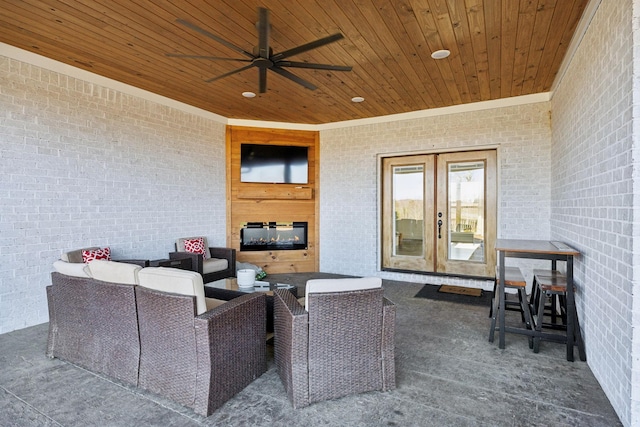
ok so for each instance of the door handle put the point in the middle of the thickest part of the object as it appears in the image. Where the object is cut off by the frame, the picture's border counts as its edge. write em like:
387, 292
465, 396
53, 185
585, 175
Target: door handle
439, 229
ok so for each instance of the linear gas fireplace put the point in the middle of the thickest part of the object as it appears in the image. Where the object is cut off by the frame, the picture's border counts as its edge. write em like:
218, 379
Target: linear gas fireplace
268, 236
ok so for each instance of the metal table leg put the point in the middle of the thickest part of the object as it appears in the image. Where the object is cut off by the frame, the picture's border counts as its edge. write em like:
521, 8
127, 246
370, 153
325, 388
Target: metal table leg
502, 301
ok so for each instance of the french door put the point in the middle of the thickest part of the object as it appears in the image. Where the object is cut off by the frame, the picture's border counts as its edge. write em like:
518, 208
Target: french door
439, 213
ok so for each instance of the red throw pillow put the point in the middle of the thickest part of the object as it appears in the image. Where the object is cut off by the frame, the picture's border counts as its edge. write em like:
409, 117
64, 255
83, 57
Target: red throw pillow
104, 253
195, 246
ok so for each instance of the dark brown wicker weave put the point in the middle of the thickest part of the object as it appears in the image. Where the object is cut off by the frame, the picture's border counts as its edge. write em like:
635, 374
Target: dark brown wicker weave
221, 253
343, 345
94, 324
200, 361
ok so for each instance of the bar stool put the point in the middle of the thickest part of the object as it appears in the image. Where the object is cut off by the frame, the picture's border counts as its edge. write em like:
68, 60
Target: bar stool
548, 299
554, 284
513, 279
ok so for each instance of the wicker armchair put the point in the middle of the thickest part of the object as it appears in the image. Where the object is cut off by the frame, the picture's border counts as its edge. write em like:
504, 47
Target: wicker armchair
218, 263
343, 344
198, 356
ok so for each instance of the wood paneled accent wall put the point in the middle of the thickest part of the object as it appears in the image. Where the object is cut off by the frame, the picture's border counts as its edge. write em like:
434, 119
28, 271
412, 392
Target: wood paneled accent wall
257, 202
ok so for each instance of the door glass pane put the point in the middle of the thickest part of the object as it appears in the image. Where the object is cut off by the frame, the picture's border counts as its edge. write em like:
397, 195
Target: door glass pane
466, 203
408, 207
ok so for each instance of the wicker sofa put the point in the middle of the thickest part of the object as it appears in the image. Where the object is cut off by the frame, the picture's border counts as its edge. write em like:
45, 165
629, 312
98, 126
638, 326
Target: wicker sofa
153, 328
316, 363
93, 319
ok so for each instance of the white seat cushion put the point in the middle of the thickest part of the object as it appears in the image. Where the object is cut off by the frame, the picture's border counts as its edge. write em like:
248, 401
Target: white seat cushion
114, 272
175, 281
213, 265
340, 285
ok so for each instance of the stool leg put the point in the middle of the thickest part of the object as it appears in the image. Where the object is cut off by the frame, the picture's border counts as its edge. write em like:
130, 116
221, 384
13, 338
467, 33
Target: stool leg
493, 296
522, 301
576, 326
554, 309
562, 298
533, 299
540, 304
525, 311
494, 312
578, 340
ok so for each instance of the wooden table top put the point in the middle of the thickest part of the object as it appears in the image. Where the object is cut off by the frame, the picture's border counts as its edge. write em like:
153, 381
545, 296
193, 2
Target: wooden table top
535, 246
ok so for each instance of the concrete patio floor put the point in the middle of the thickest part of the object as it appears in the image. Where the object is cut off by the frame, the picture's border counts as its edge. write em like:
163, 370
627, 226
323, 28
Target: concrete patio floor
448, 374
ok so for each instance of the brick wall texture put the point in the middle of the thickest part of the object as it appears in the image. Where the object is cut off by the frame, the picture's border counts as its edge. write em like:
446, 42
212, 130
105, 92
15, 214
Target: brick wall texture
594, 198
84, 165
570, 180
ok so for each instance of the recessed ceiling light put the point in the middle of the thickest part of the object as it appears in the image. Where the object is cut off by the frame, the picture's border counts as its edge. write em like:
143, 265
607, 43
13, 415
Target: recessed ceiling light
440, 54
248, 94
357, 99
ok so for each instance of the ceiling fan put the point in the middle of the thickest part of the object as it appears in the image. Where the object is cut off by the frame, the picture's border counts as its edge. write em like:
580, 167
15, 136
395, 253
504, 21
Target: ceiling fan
263, 57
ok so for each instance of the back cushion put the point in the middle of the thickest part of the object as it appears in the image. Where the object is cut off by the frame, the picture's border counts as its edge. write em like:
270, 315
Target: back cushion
75, 269
114, 272
175, 281
180, 245
338, 285
76, 256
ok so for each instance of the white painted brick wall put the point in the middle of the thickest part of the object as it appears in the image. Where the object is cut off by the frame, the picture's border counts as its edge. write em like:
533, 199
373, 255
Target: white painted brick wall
593, 198
635, 315
349, 241
83, 165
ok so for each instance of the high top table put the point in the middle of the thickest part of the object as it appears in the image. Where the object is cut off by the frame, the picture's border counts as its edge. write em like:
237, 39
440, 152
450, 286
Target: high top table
540, 249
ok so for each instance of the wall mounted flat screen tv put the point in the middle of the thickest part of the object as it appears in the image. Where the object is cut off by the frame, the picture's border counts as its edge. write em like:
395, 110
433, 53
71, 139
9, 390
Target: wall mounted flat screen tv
282, 164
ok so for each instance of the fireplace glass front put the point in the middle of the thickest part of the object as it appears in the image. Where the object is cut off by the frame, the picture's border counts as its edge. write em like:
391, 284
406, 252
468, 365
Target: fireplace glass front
267, 236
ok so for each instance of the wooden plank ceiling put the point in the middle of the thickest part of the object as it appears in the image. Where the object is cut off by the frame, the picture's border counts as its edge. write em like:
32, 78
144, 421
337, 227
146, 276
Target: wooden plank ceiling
499, 49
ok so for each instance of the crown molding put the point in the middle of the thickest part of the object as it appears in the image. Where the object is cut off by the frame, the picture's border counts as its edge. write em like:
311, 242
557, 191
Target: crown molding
75, 72
71, 71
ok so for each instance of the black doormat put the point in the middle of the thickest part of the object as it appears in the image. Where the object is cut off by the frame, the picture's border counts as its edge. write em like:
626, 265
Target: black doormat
433, 292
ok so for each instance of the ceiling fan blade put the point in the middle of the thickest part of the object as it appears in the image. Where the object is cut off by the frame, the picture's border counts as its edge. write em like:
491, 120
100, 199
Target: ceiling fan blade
263, 32
262, 79
307, 46
293, 64
222, 76
291, 76
214, 58
214, 37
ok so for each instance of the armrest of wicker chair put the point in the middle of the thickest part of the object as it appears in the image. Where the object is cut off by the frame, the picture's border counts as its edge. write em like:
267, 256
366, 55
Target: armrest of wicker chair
200, 361
388, 345
231, 339
222, 253
291, 344
196, 259
225, 253
216, 252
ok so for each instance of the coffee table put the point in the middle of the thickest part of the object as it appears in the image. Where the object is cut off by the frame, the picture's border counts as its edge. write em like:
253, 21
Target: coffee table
228, 289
